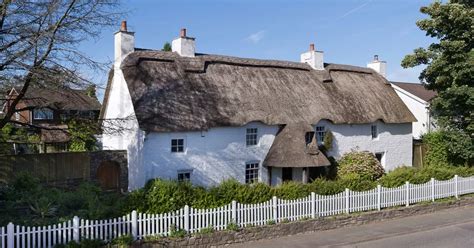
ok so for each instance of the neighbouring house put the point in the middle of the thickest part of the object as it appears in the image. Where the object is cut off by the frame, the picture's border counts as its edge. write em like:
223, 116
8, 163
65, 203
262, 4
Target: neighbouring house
417, 98
45, 112
207, 118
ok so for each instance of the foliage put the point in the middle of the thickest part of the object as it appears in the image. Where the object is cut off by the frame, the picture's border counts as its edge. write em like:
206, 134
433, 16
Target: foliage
85, 243
272, 222
448, 148
166, 47
81, 134
207, 230
401, 175
232, 226
177, 232
123, 240
11, 133
327, 140
450, 71
363, 164
27, 202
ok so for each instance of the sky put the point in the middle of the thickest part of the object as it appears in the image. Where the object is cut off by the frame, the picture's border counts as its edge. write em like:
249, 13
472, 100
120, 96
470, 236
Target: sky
349, 31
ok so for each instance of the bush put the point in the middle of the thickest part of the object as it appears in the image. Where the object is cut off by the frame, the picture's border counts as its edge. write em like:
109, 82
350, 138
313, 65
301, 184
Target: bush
449, 148
363, 164
290, 190
123, 241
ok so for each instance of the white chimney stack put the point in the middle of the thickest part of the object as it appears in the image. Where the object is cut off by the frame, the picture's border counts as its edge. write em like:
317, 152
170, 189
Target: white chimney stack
124, 44
379, 66
313, 58
183, 45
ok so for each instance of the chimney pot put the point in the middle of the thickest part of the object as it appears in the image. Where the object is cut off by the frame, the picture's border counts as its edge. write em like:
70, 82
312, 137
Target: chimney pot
182, 33
123, 26
311, 47
376, 57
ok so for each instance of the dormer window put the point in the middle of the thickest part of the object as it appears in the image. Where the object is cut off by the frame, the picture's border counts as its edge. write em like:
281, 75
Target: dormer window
309, 137
43, 114
320, 132
251, 136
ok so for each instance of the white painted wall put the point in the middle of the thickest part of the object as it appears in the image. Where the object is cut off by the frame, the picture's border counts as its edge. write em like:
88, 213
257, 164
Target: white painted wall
121, 130
394, 140
213, 156
420, 110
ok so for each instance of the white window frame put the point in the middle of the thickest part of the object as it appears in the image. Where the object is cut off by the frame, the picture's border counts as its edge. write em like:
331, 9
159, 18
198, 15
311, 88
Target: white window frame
251, 136
320, 133
46, 114
183, 146
252, 172
374, 132
183, 178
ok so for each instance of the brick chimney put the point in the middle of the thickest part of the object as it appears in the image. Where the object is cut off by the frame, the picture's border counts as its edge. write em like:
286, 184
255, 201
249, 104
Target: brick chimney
379, 66
124, 44
313, 58
183, 45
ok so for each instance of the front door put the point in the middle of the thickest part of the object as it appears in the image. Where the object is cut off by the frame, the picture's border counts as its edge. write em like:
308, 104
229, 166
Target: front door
286, 174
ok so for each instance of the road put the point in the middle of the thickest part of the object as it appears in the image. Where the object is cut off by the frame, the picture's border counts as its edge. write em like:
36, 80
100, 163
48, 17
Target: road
448, 228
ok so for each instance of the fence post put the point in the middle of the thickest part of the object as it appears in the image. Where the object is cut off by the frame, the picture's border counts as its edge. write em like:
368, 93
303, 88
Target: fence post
134, 225
275, 212
75, 228
379, 197
432, 189
456, 192
313, 205
347, 201
10, 235
408, 193
186, 218
234, 212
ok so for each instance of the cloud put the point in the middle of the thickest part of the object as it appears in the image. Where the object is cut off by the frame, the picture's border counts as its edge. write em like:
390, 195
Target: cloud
256, 37
351, 11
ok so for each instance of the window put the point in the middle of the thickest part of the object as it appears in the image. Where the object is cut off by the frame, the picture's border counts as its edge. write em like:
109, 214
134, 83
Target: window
251, 172
309, 137
43, 114
17, 116
320, 132
286, 174
251, 137
184, 176
379, 156
373, 130
177, 145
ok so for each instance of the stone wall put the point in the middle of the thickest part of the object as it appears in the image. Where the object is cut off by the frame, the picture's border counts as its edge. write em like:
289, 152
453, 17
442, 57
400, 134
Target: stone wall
285, 229
118, 156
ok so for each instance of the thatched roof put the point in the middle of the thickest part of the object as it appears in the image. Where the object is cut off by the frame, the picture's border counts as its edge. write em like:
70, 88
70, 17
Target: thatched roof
173, 93
418, 90
60, 99
55, 134
289, 149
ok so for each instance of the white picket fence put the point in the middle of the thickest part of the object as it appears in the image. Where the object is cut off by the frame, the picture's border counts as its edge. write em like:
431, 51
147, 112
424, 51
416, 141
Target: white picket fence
192, 220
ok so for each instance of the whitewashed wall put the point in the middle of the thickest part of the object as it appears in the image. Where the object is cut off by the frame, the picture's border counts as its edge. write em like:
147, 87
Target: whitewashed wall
419, 108
213, 155
394, 140
124, 134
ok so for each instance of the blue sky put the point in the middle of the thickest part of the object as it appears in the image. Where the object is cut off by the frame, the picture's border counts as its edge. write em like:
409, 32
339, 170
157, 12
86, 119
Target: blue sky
349, 32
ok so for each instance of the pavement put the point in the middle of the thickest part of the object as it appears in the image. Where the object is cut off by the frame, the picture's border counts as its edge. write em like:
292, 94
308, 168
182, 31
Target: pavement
451, 228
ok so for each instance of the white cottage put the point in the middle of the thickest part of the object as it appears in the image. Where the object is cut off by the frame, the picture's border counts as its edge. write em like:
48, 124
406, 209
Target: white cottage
417, 98
207, 118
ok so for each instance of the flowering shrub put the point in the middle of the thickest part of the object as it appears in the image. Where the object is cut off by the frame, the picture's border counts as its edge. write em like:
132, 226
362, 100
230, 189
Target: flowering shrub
363, 164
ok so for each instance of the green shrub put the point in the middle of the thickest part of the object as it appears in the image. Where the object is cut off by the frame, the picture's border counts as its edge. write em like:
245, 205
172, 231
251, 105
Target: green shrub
290, 190
206, 230
164, 196
85, 243
176, 232
322, 186
123, 241
232, 226
356, 182
363, 164
398, 177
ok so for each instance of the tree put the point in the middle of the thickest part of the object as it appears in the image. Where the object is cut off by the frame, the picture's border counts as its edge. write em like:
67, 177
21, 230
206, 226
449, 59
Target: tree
449, 66
39, 41
166, 47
